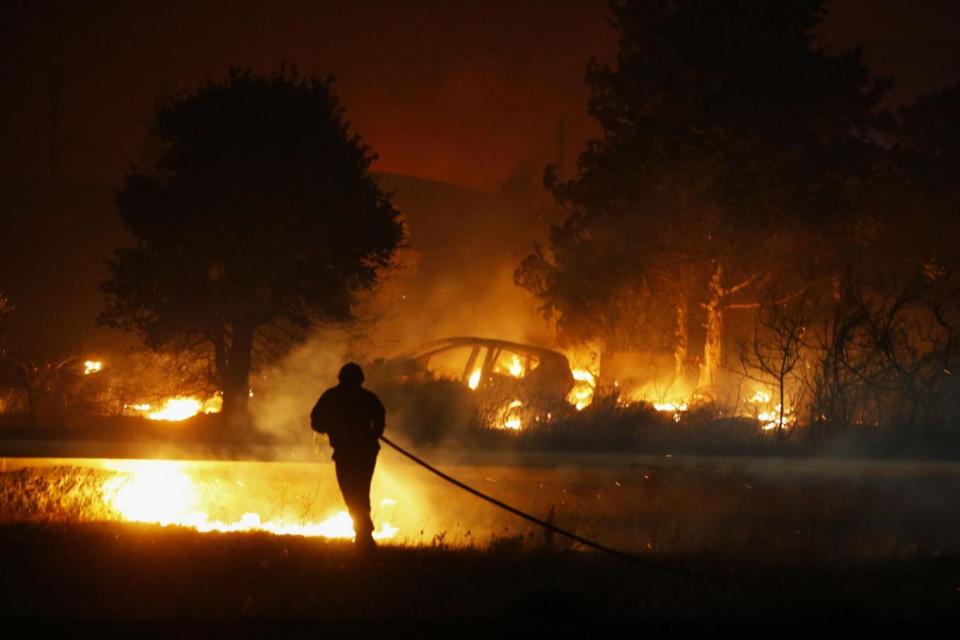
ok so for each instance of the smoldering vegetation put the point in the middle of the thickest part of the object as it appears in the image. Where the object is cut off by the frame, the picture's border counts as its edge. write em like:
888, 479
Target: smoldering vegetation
426, 410
90, 416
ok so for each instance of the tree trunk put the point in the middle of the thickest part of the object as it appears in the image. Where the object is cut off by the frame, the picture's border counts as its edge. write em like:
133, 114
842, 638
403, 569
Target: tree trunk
713, 342
781, 407
236, 378
681, 342
28, 385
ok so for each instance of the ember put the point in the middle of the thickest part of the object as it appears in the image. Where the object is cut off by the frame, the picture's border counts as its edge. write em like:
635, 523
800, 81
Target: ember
92, 366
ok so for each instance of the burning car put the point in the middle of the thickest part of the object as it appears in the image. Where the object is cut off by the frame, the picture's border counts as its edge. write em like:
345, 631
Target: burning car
484, 364
459, 380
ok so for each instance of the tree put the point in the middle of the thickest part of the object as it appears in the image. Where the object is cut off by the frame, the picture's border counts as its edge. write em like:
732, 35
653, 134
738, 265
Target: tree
726, 133
259, 221
775, 350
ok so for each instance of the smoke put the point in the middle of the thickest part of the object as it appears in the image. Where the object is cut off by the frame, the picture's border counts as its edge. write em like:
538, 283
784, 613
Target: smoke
455, 278
285, 393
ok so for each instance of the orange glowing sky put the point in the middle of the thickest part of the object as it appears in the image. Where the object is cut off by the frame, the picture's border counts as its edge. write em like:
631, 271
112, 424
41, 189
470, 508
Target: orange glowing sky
459, 91
462, 91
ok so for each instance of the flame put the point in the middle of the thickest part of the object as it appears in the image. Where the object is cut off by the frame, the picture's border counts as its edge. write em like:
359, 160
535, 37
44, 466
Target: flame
508, 417
771, 419
677, 408
581, 395
584, 361
175, 409
474, 381
759, 404
178, 408
516, 367
92, 366
160, 492
671, 406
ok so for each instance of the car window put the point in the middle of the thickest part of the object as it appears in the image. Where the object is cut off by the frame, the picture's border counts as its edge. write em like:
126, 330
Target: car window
513, 364
474, 371
449, 363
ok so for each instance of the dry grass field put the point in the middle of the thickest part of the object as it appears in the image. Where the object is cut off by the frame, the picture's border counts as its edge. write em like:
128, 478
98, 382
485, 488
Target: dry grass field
771, 539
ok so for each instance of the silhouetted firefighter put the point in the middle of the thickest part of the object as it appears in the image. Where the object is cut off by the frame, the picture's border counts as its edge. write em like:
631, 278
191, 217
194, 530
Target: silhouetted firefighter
353, 418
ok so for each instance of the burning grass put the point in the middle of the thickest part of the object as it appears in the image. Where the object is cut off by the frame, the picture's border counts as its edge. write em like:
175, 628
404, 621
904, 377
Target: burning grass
772, 538
183, 494
785, 510
61, 493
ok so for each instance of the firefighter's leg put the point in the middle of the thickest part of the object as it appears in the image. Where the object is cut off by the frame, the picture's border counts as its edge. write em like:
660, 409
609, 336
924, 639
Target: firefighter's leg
353, 476
363, 524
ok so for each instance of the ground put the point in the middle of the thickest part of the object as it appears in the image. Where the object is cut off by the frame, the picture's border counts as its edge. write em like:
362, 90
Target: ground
785, 540
121, 571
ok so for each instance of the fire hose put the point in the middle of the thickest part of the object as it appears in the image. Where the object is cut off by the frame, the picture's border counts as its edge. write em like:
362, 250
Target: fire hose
649, 564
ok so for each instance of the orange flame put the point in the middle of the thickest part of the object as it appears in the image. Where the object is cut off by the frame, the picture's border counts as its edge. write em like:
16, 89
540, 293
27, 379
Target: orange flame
178, 408
160, 492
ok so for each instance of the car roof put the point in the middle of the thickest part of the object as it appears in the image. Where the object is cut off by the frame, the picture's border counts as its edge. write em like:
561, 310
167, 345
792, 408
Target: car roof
473, 341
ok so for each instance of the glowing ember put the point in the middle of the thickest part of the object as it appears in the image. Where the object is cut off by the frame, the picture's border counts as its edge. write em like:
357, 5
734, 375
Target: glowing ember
161, 493
92, 366
581, 395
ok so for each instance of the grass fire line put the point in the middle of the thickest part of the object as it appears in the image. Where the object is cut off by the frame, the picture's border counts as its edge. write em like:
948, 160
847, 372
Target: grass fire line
160, 492
653, 506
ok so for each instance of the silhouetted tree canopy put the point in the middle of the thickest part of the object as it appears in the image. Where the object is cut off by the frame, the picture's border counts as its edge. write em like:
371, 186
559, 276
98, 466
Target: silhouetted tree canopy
728, 138
259, 220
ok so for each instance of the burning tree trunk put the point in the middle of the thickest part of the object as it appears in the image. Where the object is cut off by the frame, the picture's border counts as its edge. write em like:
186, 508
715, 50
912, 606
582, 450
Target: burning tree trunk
681, 340
718, 300
713, 341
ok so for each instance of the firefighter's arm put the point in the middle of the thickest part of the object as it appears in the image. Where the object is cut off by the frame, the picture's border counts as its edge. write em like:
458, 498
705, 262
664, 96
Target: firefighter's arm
379, 417
316, 417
